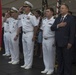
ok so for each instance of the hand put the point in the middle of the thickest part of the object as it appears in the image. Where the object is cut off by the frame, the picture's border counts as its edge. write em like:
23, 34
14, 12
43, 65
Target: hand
16, 37
34, 38
20, 9
62, 24
69, 46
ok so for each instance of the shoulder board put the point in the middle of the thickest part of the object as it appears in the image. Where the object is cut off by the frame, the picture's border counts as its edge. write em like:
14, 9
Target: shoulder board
31, 14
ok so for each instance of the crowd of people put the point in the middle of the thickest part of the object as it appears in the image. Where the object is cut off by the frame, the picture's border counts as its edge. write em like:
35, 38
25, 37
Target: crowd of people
50, 36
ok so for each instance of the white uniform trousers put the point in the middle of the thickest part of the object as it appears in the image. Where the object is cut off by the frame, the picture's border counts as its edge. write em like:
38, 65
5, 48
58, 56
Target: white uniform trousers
49, 53
6, 43
28, 48
14, 47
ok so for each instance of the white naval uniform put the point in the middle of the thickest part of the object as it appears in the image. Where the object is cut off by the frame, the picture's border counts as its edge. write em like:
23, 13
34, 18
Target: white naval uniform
14, 45
20, 16
28, 24
8, 21
48, 44
6, 38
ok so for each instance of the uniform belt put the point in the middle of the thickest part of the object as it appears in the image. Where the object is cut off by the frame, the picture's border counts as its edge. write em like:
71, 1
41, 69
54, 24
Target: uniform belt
49, 37
46, 38
11, 32
26, 32
5, 31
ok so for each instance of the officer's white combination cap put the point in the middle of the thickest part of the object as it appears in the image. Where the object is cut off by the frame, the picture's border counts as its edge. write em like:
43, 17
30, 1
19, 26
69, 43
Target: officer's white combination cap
27, 3
14, 9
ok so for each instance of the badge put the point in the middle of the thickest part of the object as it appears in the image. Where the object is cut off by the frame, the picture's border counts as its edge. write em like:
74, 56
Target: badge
23, 17
13, 26
50, 24
28, 18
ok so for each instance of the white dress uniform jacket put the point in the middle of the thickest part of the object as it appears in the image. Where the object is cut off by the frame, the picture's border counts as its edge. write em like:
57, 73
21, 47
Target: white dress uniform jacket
14, 45
28, 24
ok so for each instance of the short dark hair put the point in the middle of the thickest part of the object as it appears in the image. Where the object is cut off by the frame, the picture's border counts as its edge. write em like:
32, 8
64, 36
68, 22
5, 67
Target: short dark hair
39, 12
51, 9
66, 6
70, 12
3, 14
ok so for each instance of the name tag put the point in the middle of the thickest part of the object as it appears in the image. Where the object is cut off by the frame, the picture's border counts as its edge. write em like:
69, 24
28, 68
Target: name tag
50, 24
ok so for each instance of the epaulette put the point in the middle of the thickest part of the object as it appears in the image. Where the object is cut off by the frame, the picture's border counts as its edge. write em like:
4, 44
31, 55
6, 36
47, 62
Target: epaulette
32, 14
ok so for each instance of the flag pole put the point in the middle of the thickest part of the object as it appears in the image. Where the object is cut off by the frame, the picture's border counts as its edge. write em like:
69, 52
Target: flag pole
58, 6
0, 25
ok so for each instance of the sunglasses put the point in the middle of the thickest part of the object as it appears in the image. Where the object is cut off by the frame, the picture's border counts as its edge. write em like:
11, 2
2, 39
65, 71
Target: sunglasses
25, 6
12, 12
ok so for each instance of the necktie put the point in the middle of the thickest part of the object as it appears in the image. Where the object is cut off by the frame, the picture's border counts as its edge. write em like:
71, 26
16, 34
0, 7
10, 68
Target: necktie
62, 19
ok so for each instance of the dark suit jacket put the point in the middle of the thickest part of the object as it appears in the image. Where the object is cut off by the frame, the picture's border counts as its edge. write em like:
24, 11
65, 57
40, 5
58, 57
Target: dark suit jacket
65, 34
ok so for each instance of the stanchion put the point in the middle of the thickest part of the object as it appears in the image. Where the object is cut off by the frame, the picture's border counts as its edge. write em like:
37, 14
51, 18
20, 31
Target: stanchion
0, 25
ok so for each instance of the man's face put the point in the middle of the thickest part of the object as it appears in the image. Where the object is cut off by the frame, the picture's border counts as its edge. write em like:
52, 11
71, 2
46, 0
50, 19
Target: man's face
26, 8
7, 15
63, 9
36, 14
48, 13
13, 14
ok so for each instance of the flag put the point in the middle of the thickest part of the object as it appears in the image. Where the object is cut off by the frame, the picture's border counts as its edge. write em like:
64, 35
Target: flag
0, 24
